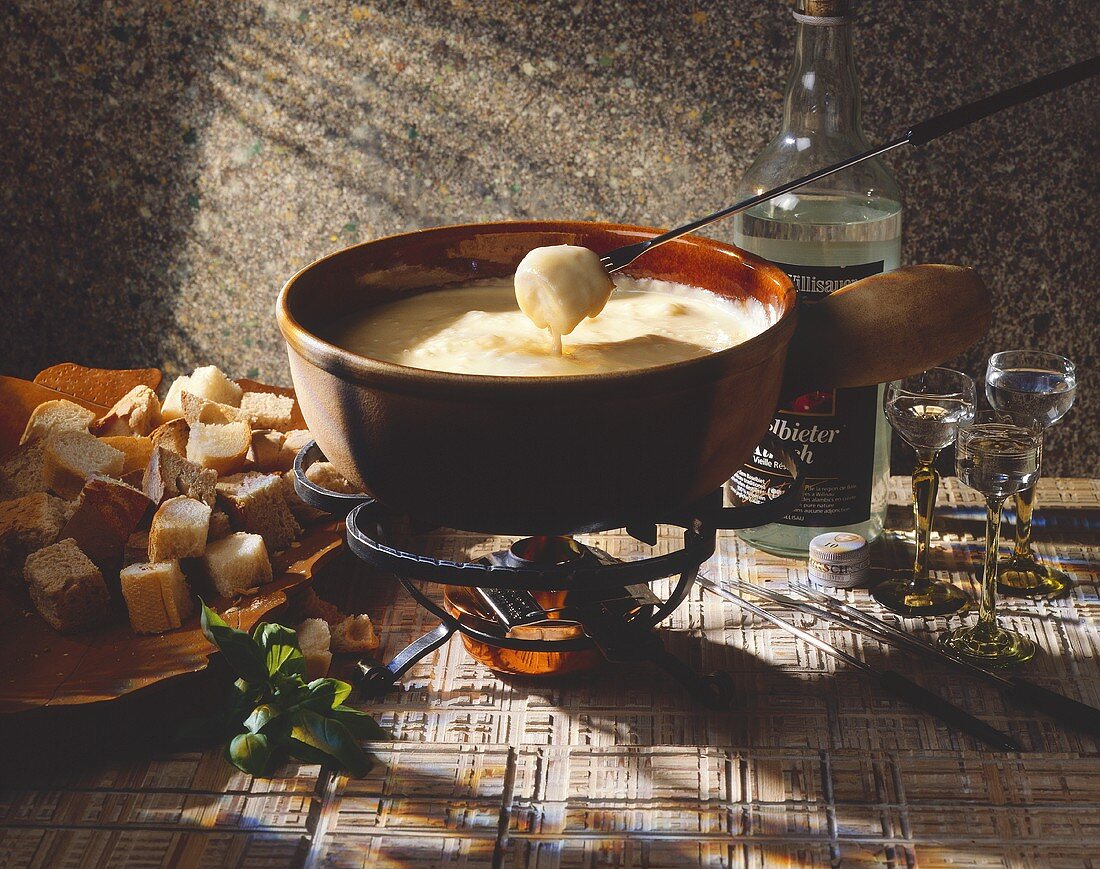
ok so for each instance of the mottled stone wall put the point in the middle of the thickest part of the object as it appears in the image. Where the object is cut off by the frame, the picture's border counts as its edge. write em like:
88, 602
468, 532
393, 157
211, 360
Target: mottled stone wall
166, 165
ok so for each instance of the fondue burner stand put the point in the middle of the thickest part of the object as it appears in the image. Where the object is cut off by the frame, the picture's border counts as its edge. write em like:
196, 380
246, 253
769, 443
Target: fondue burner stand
549, 605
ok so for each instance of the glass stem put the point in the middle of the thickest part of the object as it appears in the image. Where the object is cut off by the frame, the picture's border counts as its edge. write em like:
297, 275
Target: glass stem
1025, 506
926, 483
987, 606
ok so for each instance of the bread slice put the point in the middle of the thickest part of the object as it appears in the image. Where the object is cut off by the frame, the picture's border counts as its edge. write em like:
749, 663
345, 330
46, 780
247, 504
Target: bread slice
67, 589
21, 471
136, 550
354, 634
179, 529
108, 513
325, 475
27, 524
156, 595
302, 512
168, 475
199, 409
219, 526
313, 640
210, 383
222, 447
172, 406
136, 413
71, 457
255, 503
56, 416
136, 450
268, 410
237, 564
266, 452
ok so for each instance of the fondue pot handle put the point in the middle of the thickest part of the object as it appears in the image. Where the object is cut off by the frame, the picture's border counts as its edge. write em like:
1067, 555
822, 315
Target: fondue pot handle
886, 327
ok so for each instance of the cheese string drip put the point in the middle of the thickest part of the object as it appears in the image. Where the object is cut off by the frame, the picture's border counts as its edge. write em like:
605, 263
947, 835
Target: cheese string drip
558, 286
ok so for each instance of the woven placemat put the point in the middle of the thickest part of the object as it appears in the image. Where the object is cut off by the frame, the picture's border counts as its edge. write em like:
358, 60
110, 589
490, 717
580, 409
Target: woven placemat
814, 766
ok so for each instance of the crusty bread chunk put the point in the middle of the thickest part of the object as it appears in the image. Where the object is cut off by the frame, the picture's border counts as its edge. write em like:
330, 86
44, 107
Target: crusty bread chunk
169, 474
136, 550
314, 607
172, 407
199, 409
237, 564
293, 444
354, 634
27, 524
325, 475
172, 435
136, 413
136, 450
222, 447
268, 410
67, 589
21, 471
219, 526
179, 529
210, 383
266, 452
108, 513
56, 416
156, 595
255, 503
313, 640
303, 512
70, 457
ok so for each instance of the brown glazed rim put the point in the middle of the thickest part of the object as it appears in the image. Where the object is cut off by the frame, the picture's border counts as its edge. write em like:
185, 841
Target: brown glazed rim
336, 360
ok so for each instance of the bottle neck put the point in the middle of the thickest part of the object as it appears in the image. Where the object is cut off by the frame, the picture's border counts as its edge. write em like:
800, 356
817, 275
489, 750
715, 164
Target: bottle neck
822, 96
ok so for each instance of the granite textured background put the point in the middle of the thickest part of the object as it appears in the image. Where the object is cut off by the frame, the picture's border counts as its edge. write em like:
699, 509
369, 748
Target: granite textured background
167, 165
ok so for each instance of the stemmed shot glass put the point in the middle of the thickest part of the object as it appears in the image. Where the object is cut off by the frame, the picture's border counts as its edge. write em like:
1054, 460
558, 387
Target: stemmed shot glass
926, 410
1041, 385
998, 456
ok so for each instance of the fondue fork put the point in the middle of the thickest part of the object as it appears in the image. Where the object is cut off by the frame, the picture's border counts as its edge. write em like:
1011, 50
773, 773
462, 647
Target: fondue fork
920, 134
893, 682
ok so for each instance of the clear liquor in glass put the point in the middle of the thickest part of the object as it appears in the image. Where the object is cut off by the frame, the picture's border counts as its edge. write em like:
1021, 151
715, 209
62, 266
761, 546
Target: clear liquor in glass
825, 236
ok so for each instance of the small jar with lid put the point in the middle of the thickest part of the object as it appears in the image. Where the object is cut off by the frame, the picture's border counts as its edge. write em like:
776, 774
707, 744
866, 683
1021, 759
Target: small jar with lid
839, 559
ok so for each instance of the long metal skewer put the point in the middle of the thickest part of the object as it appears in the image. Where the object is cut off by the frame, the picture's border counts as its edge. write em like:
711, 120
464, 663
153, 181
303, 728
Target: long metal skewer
894, 682
920, 134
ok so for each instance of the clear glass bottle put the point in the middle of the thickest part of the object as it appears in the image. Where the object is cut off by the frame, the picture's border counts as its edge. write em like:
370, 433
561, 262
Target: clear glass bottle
825, 235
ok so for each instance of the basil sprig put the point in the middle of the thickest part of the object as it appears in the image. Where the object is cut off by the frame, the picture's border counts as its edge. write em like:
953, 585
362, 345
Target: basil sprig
274, 713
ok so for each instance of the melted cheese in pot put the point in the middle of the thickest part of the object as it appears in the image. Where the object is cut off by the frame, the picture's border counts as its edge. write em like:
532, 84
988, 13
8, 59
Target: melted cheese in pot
479, 329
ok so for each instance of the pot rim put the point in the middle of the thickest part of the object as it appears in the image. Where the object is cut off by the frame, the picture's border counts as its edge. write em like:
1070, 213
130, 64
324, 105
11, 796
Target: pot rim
344, 363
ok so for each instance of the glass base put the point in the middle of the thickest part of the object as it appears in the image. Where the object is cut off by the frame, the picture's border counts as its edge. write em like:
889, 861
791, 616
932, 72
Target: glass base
996, 648
934, 598
1026, 576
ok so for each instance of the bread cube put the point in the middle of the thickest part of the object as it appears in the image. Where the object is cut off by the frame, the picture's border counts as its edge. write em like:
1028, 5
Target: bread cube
219, 526
51, 417
222, 447
210, 383
313, 640
199, 409
156, 595
268, 410
304, 513
354, 634
255, 503
136, 450
67, 589
293, 444
136, 413
179, 529
266, 452
108, 513
325, 475
172, 407
172, 435
169, 474
237, 564
21, 471
136, 550
27, 524
70, 457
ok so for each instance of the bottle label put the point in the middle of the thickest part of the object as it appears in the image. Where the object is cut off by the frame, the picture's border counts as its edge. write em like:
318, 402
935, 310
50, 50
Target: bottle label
831, 431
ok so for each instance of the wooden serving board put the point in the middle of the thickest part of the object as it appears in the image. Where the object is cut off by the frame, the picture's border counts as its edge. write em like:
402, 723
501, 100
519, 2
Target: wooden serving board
45, 668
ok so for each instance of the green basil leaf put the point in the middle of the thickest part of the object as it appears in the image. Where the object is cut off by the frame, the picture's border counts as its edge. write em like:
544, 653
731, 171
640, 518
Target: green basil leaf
305, 753
359, 724
260, 717
282, 657
332, 738
241, 653
250, 753
325, 694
